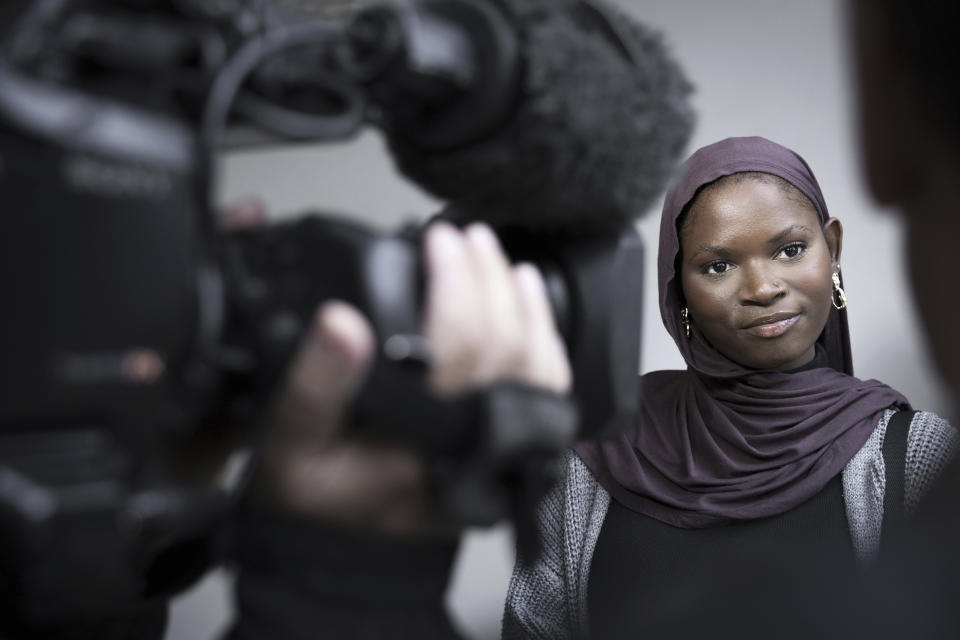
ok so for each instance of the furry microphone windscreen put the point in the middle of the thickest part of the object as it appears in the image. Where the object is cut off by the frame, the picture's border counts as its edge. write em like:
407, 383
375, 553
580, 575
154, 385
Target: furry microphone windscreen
592, 140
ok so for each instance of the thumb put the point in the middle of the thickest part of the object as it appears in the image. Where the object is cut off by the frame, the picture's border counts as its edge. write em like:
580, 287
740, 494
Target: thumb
324, 375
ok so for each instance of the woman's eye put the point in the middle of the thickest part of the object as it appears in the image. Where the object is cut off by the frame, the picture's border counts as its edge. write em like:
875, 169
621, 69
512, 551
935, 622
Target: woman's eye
793, 250
716, 268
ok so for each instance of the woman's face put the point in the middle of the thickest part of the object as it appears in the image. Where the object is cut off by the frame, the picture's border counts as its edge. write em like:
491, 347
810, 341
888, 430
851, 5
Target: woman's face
756, 271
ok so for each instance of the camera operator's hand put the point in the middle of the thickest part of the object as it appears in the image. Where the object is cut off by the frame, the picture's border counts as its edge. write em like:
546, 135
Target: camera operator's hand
486, 321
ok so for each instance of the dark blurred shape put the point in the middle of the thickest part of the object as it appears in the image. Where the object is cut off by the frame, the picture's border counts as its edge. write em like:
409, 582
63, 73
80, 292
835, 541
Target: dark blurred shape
135, 327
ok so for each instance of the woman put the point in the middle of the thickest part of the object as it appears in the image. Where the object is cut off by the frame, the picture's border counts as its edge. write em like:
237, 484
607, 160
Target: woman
766, 447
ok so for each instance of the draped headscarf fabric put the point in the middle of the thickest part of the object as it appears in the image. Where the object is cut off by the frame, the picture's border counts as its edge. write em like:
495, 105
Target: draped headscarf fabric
719, 441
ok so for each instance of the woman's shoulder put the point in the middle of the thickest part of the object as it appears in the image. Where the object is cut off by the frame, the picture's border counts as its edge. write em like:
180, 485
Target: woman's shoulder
928, 431
932, 442
933, 428
930, 438
577, 477
930, 427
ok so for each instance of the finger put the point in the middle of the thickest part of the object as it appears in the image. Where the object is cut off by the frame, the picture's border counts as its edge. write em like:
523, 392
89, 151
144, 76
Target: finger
246, 213
501, 350
326, 372
452, 324
546, 364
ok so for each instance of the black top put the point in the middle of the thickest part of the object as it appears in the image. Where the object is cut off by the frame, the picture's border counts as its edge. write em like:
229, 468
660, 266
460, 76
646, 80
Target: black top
647, 576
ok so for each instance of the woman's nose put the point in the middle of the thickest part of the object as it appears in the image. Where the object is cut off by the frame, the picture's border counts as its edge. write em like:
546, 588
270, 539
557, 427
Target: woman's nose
760, 286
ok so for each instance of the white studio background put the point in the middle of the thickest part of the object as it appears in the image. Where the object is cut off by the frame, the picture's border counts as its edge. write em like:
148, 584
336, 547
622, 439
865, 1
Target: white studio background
774, 68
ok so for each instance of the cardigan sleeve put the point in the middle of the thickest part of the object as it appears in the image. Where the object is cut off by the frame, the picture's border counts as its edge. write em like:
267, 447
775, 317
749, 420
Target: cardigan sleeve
547, 597
535, 605
931, 444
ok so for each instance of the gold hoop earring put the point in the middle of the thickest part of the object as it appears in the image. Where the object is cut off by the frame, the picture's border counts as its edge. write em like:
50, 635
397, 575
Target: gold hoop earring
838, 293
685, 320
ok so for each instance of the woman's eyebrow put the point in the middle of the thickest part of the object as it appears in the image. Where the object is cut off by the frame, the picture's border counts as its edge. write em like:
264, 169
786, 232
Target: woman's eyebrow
717, 250
780, 237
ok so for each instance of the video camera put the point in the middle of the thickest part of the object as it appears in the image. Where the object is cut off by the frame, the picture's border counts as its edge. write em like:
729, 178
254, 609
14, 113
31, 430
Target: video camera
132, 323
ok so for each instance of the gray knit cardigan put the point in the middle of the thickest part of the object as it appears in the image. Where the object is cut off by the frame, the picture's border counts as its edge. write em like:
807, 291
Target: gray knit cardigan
548, 598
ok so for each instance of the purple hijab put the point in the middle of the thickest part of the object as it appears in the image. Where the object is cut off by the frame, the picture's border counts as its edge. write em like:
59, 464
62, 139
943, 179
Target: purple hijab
719, 441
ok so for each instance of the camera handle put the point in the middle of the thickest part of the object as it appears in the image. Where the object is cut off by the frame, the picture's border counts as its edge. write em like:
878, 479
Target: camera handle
491, 454
522, 435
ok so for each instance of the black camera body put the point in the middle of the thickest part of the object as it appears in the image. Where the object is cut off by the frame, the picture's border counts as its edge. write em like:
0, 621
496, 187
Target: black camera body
114, 297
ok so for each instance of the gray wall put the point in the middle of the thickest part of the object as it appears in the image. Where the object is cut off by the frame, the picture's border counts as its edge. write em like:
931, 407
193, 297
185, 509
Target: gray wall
762, 67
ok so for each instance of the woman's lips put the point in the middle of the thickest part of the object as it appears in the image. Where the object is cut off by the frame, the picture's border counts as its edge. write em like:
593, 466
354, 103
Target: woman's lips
773, 329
